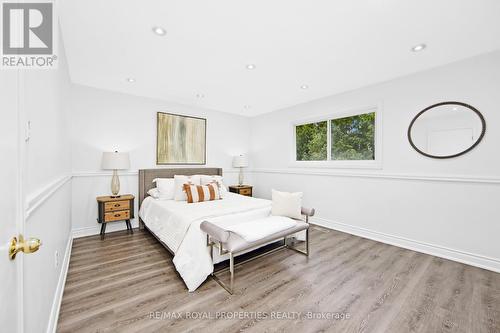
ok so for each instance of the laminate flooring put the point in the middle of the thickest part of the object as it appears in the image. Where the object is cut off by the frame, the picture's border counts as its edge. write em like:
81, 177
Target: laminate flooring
127, 283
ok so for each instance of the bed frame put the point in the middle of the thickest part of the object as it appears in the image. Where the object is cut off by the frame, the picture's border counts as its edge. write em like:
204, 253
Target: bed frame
146, 177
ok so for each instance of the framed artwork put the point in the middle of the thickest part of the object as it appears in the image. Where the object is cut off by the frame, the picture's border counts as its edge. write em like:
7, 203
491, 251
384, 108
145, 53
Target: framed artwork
180, 139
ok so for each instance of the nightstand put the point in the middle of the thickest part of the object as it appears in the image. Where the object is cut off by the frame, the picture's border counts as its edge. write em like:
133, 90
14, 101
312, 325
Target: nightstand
243, 189
115, 209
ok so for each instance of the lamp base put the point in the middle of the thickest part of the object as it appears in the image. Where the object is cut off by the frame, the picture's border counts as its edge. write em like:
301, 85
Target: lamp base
115, 185
240, 177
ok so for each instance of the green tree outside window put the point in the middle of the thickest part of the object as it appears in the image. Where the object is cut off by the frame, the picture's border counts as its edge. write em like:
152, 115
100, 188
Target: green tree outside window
311, 144
353, 138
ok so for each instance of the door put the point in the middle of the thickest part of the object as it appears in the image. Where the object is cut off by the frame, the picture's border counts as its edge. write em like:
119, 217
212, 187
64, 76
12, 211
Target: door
10, 207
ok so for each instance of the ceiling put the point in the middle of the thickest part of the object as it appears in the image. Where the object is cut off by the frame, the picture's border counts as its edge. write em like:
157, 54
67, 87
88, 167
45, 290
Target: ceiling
330, 46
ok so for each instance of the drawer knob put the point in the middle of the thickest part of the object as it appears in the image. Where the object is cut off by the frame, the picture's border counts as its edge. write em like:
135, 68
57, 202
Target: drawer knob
117, 205
117, 215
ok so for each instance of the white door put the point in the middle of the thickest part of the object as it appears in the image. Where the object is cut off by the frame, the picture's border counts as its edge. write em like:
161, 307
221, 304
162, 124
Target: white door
10, 223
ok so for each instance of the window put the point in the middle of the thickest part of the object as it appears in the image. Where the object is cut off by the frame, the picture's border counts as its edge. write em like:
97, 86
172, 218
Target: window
348, 138
353, 138
311, 141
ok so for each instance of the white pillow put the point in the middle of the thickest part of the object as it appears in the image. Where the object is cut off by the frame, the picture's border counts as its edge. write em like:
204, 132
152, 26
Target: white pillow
287, 204
166, 187
154, 193
179, 181
205, 180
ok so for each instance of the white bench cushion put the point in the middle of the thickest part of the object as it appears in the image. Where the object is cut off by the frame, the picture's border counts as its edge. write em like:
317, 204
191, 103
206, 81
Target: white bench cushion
253, 231
236, 243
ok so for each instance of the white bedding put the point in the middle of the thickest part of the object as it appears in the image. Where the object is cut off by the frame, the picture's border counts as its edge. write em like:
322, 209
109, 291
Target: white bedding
177, 224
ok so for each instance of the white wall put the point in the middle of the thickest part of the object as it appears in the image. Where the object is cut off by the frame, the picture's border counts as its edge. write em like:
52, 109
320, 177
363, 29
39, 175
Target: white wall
47, 188
107, 121
406, 202
402, 203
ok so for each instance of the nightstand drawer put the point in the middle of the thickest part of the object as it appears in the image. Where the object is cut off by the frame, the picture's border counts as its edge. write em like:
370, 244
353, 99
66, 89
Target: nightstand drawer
116, 216
116, 205
246, 191
241, 189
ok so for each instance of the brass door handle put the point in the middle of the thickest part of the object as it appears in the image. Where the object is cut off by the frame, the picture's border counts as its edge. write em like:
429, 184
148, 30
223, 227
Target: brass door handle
27, 246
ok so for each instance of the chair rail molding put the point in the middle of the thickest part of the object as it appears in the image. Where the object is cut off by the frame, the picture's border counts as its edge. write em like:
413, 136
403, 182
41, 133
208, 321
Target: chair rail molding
78, 174
395, 176
38, 197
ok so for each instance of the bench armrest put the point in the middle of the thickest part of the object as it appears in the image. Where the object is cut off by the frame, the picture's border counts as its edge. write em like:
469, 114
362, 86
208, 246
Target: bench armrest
215, 231
308, 211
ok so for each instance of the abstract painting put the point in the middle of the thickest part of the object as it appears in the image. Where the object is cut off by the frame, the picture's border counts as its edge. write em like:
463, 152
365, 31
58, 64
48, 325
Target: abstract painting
180, 139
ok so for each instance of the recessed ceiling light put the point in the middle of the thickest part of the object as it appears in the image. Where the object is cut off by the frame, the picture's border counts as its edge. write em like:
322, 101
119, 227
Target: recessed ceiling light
304, 86
130, 80
200, 95
418, 48
251, 66
159, 31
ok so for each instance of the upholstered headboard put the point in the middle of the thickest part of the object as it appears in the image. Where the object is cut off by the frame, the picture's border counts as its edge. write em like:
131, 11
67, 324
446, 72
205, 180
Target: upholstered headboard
146, 177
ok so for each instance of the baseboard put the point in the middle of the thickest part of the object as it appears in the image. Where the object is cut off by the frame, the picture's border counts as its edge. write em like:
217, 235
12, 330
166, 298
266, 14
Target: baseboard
95, 230
56, 303
431, 249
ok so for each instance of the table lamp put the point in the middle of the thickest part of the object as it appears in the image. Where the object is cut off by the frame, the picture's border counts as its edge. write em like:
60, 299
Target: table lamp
115, 161
241, 162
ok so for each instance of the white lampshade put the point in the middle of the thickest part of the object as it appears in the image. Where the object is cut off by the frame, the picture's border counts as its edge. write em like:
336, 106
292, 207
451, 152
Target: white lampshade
115, 161
240, 161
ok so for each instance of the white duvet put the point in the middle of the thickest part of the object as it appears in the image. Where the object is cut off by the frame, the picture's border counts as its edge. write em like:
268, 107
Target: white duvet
177, 224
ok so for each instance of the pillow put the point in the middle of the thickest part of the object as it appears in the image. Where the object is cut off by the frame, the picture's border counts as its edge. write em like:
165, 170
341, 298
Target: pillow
287, 204
179, 182
199, 193
154, 193
205, 180
165, 187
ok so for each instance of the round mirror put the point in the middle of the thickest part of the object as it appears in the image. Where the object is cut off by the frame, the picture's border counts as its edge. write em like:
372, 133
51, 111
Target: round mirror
447, 129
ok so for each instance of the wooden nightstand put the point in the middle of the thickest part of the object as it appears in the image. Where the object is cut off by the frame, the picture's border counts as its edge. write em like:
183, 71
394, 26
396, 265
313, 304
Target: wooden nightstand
115, 209
243, 189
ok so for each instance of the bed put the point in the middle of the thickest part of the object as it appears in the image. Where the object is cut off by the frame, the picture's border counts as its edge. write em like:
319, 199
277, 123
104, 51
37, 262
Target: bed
176, 224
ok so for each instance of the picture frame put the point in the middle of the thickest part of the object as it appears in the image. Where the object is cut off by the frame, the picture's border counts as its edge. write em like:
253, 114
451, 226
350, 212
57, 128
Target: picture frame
180, 139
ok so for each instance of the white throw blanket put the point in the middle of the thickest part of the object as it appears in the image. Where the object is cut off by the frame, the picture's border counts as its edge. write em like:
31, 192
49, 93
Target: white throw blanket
254, 230
177, 223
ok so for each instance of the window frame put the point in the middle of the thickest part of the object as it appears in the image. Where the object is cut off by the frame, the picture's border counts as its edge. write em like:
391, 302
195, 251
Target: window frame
347, 164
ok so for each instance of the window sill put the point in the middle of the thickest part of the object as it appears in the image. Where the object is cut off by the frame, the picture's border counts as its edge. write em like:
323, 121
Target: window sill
375, 165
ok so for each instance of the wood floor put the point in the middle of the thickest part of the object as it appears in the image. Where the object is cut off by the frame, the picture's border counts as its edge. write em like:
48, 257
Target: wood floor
127, 283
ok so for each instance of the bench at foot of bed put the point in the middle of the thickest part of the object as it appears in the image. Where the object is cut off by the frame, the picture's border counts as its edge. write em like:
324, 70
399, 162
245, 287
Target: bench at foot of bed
237, 239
